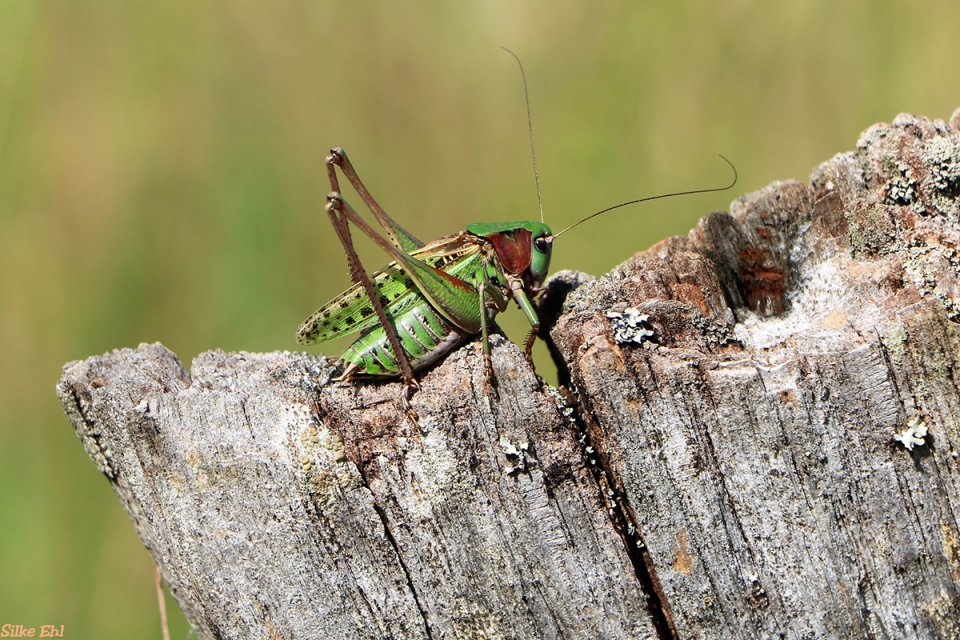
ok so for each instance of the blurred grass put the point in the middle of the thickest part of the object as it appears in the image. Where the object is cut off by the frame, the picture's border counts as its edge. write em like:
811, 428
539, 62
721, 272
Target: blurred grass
161, 179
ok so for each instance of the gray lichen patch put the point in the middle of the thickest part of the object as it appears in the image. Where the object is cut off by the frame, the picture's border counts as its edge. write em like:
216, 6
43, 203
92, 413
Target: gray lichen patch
934, 270
871, 231
323, 464
434, 466
630, 325
942, 156
900, 188
895, 343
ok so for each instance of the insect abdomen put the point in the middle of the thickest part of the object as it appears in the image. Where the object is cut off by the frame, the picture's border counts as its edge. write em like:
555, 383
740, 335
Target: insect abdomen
425, 336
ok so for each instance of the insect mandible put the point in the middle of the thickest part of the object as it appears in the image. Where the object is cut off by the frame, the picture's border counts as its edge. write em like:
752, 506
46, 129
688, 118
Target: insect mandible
434, 296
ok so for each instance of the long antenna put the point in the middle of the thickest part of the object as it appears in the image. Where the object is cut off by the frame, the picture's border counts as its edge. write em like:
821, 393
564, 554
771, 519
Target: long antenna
533, 151
657, 197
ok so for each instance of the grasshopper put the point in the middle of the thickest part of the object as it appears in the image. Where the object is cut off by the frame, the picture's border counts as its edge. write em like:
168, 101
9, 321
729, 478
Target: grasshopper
433, 296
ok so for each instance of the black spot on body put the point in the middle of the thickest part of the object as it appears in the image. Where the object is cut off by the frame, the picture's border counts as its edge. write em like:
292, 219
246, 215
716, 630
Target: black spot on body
349, 321
366, 311
344, 304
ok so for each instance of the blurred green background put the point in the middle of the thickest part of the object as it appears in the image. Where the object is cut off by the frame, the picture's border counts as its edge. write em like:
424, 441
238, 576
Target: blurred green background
161, 179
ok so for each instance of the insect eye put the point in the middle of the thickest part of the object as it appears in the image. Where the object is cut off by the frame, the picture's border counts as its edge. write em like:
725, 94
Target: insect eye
541, 244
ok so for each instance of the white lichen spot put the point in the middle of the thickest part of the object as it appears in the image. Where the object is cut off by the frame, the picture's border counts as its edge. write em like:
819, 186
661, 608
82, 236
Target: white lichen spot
513, 450
516, 454
913, 435
630, 326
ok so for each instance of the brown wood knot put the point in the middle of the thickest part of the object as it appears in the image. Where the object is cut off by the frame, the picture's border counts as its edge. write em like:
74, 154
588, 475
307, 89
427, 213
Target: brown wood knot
762, 283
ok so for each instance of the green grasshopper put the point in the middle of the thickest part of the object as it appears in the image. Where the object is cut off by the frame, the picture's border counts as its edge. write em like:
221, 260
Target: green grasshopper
433, 296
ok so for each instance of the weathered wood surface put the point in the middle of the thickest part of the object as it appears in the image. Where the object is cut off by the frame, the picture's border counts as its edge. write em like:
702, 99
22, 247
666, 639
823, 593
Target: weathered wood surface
728, 467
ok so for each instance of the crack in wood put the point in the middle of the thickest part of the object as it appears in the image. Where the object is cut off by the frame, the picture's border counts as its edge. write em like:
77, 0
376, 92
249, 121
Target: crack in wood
625, 524
403, 565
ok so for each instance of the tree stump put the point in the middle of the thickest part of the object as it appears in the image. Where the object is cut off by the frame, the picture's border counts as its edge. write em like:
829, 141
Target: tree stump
757, 436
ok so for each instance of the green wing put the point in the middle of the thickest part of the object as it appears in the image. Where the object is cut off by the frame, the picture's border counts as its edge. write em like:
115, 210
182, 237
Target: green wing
351, 311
